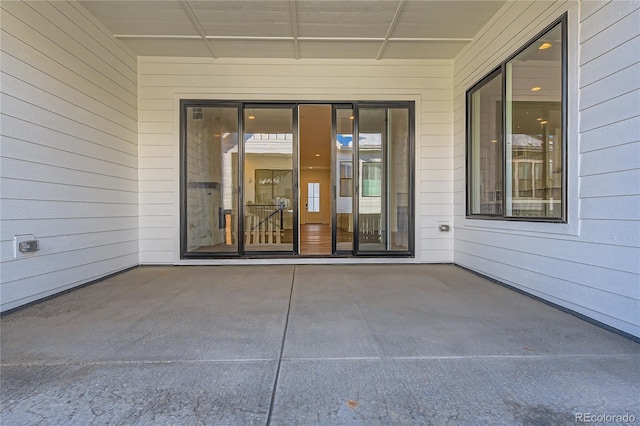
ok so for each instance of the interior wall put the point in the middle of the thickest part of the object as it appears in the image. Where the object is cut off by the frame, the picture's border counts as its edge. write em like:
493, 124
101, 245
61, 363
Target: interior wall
69, 155
591, 264
164, 81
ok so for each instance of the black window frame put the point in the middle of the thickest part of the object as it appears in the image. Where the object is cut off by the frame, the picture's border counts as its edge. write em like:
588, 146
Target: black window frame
501, 70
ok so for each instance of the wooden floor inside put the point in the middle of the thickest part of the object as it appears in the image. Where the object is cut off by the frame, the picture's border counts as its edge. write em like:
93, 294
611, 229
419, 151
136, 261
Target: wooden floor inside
315, 239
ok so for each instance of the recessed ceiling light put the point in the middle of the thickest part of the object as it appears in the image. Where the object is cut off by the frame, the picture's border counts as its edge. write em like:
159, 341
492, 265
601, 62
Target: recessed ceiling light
317, 155
544, 122
252, 117
494, 141
545, 45
535, 89
539, 118
351, 117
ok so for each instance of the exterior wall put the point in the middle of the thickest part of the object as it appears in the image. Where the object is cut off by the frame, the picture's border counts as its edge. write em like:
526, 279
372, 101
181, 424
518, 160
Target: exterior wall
69, 159
592, 263
164, 81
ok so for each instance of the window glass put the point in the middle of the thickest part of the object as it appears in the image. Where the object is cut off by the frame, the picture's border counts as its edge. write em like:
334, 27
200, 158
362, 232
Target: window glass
268, 179
486, 147
211, 171
344, 162
534, 129
384, 157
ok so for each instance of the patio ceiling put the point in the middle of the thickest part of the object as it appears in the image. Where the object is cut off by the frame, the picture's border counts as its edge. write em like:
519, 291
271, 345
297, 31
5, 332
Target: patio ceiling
350, 29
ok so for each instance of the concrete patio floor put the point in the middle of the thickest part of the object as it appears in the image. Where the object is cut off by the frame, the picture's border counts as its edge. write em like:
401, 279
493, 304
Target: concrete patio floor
300, 345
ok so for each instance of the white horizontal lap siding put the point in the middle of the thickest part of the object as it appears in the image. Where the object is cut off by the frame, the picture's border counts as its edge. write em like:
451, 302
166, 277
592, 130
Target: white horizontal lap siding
592, 264
69, 158
162, 81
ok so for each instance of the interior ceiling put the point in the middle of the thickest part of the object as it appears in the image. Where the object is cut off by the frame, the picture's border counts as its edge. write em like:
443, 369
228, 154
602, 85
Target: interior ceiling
353, 29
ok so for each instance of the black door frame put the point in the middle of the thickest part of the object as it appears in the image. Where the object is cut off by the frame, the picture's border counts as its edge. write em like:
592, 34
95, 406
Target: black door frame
355, 106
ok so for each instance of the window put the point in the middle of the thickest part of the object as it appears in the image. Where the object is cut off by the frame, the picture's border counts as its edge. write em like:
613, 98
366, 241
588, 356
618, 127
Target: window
346, 177
371, 179
516, 131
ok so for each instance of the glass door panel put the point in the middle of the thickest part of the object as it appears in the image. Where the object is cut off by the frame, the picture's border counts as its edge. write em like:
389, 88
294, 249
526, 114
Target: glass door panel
269, 185
372, 169
384, 156
343, 175
399, 179
210, 159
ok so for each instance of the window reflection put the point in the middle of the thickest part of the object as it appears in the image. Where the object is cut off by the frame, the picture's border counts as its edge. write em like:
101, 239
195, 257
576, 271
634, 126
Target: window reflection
534, 129
486, 147
344, 162
383, 149
268, 179
211, 164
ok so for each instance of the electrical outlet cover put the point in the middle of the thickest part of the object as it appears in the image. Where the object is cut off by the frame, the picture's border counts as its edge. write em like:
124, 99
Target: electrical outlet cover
19, 239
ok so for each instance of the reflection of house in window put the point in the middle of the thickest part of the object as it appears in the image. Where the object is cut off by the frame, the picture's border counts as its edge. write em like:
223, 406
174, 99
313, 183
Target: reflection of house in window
346, 179
370, 148
273, 186
371, 179
534, 152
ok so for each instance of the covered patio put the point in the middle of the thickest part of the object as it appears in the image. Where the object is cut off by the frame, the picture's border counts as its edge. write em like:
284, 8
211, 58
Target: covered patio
309, 344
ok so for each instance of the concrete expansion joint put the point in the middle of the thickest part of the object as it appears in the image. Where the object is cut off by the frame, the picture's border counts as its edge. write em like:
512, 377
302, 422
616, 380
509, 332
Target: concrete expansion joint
312, 359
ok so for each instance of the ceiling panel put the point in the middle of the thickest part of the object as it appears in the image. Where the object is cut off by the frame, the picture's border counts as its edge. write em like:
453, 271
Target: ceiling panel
158, 47
422, 49
253, 48
339, 49
269, 28
243, 18
142, 17
363, 18
446, 19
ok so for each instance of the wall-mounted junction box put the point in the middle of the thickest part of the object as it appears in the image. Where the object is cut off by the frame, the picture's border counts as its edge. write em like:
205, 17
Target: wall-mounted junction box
444, 227
25, 245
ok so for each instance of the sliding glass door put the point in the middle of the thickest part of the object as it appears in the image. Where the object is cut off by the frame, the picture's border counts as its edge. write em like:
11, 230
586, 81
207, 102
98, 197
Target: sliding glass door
240, 180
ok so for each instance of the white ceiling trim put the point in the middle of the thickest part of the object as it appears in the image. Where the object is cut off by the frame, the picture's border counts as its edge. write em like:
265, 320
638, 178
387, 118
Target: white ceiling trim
392, 24
286, 38
157, 36
198, 27
293, 12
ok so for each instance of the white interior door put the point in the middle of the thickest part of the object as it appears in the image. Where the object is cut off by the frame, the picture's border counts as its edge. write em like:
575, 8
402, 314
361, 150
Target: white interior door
313, 212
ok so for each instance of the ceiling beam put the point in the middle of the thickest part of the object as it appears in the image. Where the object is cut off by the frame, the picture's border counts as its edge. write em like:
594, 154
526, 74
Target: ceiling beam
390, 30
293, 12
198, 27
285, 38
157, 36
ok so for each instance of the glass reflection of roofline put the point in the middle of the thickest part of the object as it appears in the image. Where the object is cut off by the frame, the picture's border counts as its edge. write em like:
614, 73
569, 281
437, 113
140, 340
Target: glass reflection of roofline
368, 140
268, 143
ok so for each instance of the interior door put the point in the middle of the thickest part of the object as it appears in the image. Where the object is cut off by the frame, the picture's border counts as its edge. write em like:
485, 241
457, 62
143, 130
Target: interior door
312, 198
